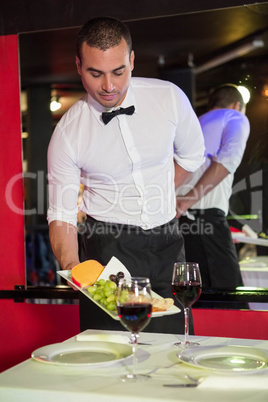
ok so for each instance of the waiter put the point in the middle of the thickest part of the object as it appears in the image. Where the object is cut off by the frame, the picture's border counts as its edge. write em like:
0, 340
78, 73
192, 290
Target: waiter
129, 142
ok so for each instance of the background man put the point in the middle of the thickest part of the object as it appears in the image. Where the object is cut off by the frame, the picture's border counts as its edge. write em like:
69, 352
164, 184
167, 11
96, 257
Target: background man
206, 195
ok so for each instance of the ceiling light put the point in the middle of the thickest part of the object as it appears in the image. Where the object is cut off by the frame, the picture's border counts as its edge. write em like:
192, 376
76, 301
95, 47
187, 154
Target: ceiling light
24, 134
232, 54
161, 60
55, 104
244, 92
264, 91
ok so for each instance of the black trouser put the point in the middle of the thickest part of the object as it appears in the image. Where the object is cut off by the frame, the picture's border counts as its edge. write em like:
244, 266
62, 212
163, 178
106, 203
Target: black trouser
149, 253
208, 241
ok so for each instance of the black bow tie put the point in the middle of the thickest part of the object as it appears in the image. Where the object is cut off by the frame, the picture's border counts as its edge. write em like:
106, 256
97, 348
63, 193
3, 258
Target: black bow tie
107, 116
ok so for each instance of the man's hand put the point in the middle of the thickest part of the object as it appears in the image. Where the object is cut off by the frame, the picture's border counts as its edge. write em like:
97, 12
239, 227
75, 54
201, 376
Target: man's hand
182, 205
210, 179
69, 267
63, 239
72, 264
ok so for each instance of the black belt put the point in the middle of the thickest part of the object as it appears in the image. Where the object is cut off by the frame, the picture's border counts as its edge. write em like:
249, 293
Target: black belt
130, 228
207, 212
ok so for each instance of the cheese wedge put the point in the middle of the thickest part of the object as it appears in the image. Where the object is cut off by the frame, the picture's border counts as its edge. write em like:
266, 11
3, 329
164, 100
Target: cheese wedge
86, 273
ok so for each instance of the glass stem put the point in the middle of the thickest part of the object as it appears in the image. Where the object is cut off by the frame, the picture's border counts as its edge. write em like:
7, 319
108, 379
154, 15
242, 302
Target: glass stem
186, 324
134, 342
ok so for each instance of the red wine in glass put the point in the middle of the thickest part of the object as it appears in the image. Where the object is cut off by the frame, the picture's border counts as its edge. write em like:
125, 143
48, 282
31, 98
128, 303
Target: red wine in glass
186, 287
134, 307
186, 295
135, 317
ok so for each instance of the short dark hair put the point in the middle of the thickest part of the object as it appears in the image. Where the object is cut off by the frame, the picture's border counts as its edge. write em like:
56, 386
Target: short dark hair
103, 33
224, 95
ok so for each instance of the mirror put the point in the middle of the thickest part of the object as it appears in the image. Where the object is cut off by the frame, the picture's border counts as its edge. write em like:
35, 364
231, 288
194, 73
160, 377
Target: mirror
182, 43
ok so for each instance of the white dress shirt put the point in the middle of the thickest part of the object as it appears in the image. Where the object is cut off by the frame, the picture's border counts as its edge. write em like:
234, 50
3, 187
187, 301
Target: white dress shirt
225, 133
126, 166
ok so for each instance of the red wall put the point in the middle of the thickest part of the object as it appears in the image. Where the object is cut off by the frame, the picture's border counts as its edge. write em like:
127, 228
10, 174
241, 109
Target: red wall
12, 225
231, 323
25, 327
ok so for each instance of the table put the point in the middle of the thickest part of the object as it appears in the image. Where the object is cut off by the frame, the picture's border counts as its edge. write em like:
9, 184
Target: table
34, 381
254, 273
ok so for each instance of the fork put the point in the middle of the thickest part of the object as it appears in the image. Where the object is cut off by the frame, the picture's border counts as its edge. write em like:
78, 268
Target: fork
194, 383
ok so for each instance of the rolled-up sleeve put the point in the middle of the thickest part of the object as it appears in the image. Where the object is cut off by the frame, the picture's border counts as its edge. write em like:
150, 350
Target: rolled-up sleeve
234, 139
63, 180
189, 146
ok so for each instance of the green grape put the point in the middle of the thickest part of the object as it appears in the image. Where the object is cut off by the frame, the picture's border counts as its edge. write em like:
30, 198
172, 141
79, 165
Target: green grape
105, 293
112, 285
101, 282
92, 289
104, 302
123, 299
108, 292
111, 306
97, 296
111, 298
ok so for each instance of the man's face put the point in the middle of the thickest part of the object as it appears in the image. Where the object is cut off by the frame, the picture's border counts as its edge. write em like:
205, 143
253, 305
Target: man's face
106, 74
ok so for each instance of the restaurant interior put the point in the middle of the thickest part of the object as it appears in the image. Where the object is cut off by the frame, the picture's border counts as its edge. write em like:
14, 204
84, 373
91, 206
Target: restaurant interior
197, 45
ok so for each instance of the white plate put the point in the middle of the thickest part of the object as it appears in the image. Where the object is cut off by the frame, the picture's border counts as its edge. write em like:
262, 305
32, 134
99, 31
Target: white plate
250, 240
226, 358
66, 275
82, 354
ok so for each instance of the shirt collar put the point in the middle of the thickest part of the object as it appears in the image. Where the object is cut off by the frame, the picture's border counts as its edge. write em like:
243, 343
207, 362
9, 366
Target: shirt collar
97, 109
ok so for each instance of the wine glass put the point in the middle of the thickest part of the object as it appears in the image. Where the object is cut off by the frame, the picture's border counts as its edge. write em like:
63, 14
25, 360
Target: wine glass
186, 287
134, 306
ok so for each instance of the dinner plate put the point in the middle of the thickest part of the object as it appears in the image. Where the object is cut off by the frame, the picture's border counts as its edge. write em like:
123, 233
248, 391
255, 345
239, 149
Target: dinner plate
82, 353
226, 358
66, 275
250, 240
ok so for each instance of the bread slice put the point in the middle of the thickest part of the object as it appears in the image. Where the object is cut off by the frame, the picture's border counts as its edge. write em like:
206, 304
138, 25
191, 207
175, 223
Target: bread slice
86, 273
162, 304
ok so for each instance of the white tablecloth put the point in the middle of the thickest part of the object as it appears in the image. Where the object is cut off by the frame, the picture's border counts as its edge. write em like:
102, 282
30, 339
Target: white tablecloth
33, 381
254, 272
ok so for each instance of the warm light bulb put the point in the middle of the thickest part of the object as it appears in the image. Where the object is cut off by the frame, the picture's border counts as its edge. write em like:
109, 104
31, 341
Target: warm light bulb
55, 105
264, 91
244, 92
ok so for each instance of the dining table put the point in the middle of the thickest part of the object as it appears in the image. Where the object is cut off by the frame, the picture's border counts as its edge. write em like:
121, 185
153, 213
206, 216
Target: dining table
254, 271
175, 374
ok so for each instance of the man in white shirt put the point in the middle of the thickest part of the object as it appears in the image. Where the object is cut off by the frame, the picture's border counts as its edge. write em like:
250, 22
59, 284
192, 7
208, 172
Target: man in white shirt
206, 195
128, 164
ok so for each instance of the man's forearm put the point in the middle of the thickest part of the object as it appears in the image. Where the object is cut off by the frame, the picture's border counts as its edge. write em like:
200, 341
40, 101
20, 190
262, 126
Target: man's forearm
63, 239
210, 179
181, 175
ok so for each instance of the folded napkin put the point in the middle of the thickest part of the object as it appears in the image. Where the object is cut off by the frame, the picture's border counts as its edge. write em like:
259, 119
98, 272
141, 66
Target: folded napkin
235, 382
114, 266
102, 338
